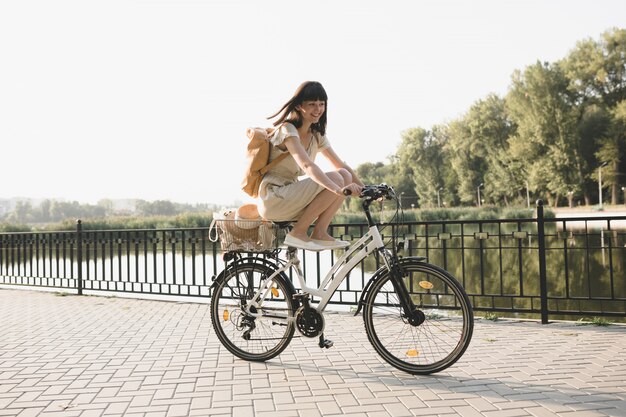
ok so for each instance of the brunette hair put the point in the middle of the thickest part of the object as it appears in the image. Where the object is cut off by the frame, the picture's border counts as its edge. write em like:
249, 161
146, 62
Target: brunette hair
308, 91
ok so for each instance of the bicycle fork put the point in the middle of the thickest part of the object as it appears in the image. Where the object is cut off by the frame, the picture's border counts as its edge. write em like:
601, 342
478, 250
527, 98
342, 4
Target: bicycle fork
411, 313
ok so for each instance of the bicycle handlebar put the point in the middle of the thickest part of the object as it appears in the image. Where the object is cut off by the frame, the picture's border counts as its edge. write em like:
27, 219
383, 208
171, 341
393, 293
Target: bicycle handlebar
374, 192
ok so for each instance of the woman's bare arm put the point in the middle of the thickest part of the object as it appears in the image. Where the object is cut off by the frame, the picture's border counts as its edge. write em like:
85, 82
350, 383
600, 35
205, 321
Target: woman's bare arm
337, 162
295, 148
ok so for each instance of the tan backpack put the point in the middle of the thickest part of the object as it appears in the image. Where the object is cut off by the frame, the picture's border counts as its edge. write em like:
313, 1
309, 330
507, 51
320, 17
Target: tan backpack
258, 155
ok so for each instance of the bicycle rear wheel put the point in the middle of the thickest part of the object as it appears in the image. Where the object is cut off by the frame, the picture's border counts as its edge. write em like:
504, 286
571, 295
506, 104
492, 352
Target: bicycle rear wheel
444, 335
264, 330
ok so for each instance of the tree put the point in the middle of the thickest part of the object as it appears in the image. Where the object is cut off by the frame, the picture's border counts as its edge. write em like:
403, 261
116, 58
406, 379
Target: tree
597, 78
557, 124
44, 211
489, 129
22, 213
107, 205
421, 159
547, 138
372, 173
156, 208
612, 150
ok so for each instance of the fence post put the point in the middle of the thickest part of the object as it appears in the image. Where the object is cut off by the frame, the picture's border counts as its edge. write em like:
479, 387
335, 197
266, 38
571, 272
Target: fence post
79, 255
543, 281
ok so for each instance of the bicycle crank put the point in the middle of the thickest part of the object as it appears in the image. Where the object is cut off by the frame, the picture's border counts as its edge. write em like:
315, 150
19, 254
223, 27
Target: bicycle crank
309, 321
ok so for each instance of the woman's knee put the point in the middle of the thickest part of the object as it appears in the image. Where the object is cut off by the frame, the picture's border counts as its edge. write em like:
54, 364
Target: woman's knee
337, 178
341, 177
346, 175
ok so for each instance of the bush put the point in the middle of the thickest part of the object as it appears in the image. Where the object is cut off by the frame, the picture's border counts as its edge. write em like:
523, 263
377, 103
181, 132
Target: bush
443, 214
14, 228
518, 213
197, 219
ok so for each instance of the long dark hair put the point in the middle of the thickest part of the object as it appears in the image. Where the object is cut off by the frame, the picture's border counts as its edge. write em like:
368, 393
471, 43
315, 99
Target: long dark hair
308, 91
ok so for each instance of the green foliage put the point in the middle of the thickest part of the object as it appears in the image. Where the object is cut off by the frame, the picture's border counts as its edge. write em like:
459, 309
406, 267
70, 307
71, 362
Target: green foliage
421, 158
558, 122
13, 228
519, 213
491, 316
595, 321
58, 215
202, 220
443, 214
186, 220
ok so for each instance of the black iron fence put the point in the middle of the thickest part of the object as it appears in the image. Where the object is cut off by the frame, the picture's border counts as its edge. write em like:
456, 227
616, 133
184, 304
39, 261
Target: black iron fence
560, 267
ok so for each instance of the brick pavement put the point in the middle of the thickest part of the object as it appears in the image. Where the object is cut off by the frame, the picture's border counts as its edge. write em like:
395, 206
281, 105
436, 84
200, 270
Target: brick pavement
104, 356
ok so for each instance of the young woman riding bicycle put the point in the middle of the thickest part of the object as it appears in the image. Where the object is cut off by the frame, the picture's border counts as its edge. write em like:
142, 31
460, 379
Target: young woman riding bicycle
301, 131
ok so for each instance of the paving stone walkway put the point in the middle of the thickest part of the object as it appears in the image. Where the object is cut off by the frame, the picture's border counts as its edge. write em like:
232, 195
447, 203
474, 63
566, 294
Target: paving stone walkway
105, 356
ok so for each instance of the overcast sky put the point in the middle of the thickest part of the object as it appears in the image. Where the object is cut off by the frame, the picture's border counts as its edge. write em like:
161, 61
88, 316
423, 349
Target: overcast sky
150, 99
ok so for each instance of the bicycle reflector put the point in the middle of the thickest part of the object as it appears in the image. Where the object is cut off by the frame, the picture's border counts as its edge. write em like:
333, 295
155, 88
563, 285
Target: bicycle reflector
427, 285
226, 315
275, 291
412, 353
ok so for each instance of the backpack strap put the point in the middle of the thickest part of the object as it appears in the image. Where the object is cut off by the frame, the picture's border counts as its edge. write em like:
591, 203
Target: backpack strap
280, 157
273, 163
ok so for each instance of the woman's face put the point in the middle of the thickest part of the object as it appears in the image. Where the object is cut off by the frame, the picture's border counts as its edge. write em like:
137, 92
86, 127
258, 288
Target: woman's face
312, 110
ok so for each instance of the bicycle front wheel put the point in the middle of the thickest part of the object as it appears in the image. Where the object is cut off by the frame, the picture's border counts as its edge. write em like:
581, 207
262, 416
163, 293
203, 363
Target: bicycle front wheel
258, 330
448, 320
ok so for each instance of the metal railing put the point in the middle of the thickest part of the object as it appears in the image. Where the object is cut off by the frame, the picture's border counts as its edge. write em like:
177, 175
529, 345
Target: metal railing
542, 267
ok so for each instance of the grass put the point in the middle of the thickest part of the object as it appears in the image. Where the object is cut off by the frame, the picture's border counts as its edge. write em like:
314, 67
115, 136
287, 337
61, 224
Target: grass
595, 321
491, 317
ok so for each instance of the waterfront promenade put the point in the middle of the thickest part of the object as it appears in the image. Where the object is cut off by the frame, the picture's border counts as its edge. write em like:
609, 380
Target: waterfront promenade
106, 356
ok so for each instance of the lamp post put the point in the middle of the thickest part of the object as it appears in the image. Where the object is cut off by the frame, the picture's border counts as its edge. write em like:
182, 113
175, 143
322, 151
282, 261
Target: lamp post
401, 194
527, 196
439, 198
478, 190
624, 191
600, 181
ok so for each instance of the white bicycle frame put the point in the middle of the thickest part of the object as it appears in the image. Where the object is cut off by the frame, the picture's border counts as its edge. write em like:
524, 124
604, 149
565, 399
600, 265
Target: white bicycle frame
363, 247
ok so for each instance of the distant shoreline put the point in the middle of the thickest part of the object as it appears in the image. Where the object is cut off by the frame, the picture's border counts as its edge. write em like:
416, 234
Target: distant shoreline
589, 211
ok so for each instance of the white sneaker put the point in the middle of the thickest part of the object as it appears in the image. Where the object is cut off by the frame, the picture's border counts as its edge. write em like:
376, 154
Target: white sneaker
332, 244
302, 244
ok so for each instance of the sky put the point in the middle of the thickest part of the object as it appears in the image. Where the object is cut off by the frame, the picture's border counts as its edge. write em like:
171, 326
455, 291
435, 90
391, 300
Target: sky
150, 99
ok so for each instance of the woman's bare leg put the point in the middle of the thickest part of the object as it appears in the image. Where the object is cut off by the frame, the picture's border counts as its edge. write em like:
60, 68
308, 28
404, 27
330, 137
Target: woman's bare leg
324, 201
320, 231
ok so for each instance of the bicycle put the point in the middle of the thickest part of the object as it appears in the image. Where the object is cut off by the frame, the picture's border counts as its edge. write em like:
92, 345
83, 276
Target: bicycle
416, 315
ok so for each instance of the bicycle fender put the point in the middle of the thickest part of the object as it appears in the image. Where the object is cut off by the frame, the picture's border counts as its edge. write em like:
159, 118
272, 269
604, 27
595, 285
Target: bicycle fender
242, 261
380, 272
265, 262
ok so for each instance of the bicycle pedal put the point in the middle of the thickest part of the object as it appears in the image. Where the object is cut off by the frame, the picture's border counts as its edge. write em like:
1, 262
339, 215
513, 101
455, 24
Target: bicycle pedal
326, 343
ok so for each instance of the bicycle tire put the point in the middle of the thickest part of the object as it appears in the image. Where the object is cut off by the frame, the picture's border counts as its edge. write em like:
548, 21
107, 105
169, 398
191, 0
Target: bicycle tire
433, 345
253, 338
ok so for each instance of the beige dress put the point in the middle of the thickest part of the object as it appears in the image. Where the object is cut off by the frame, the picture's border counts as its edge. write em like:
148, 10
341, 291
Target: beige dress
284, 197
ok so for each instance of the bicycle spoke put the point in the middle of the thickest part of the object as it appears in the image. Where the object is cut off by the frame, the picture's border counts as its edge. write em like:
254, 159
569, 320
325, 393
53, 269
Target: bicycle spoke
252, 331
427, 347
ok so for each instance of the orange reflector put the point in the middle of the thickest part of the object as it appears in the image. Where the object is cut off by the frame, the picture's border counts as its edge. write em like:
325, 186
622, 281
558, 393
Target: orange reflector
226, 315
275, 292
426, 285
412, 353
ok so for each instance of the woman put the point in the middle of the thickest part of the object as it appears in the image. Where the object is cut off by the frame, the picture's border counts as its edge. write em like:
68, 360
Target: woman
301, 131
